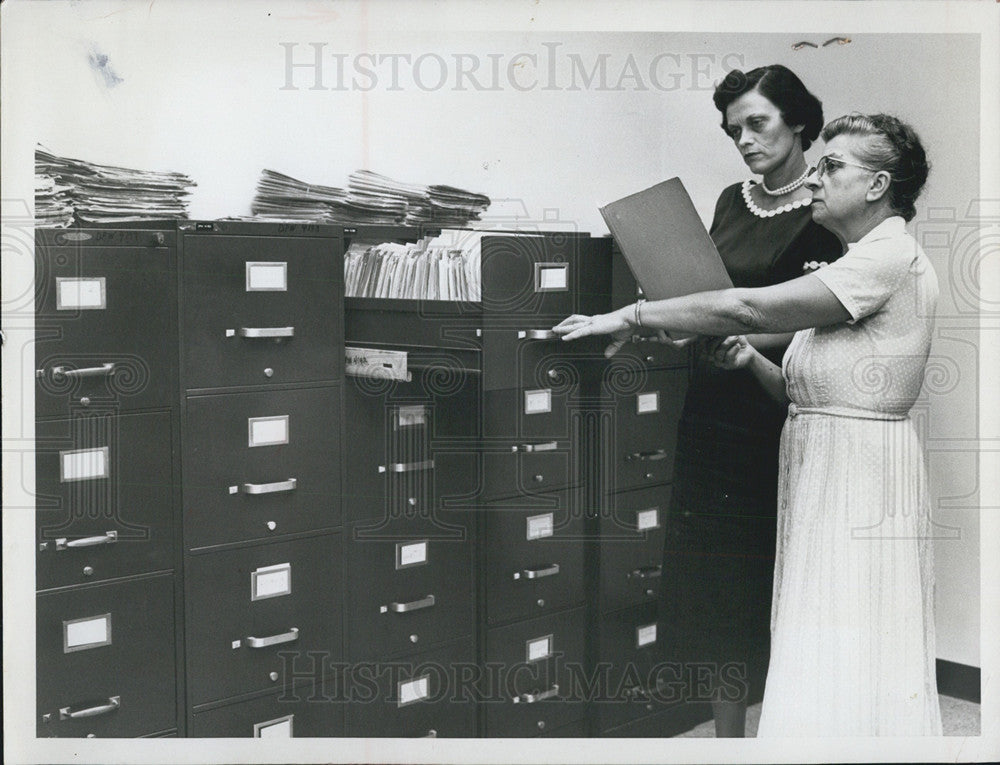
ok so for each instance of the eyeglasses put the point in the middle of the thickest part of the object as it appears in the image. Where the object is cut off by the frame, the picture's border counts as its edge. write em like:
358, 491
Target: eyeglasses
828, 164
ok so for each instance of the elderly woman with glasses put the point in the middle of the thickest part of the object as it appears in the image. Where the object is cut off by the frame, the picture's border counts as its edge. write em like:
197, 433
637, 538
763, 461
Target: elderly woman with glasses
852, 630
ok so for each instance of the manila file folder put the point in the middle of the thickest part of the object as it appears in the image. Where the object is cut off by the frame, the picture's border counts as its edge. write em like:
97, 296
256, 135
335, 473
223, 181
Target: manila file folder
665, 243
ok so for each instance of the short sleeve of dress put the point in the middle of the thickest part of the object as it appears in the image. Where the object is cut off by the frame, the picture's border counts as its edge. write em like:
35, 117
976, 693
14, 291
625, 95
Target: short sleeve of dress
867, 275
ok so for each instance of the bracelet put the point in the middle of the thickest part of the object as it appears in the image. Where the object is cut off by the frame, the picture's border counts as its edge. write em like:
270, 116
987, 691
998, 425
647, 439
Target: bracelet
638, 315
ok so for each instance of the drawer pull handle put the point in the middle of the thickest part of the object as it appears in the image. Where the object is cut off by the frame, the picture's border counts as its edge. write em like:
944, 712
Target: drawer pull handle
413, 605
537, 573
107, 538
266, 332
647, 572
270, 488
659, 454
531, 698
406, 467
536, 334
68, 713
105, 370
548, 446
285, 637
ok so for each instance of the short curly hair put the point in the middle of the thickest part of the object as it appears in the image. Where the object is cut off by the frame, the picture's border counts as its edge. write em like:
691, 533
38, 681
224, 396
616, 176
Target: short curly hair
893, 146
782, 87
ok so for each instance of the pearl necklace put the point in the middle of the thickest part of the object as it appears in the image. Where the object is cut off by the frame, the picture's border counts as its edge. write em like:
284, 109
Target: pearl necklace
761, 213
787, 187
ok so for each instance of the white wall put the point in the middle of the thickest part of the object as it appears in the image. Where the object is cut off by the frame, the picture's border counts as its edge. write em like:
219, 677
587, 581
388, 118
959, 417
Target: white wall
201, 91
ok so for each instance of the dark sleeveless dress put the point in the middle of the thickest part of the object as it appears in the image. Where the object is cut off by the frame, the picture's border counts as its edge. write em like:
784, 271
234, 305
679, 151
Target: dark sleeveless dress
719, 547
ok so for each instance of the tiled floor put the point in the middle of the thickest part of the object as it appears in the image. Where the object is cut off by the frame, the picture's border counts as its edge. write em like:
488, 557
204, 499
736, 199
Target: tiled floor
958, 718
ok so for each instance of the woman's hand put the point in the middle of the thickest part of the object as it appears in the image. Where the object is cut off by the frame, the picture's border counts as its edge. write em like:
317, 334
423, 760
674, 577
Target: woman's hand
614, 324
733, 352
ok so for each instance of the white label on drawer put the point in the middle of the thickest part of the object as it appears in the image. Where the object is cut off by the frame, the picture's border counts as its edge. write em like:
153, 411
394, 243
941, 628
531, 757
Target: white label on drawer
83, 464
647, 402
271, 581
551, 277
411, 416
410, 554
645, 635
268, 431
539, 526
280, 727
267, 277
74, 294
538, 401
376, 362
648, 519
538, 649
413, 690
91, 632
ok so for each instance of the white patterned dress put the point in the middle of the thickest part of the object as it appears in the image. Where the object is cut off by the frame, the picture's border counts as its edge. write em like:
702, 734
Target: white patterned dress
852, 623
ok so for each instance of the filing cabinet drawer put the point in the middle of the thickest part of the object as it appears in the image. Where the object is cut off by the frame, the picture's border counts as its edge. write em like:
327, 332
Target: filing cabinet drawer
105, 659
541, 663
639, 682
261, 464
531, 276
106, 321
531, 355
261, 309
530, 441
426, 695
534, 560
413, 444
409, 586
647, 409
632, 534
302, 712
104, 489
252, 611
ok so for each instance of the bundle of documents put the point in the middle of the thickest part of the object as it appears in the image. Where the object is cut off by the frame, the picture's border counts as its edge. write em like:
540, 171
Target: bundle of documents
369, 199
107, 194
280, 197
53, 205
445, 267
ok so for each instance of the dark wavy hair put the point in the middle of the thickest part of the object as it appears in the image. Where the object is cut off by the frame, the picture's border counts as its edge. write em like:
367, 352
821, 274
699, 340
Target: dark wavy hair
782, 87
890, 145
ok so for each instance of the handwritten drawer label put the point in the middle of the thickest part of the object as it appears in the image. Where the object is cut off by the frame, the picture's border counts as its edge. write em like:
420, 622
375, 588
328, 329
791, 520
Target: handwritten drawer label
410, 554
410, 691
271, 581
551, 277
267, 277
645, 635
81, 294
83, 464
646, 403
648, 519
538, 401
280, 727
538, 649
540, 526
268, 431
90, 632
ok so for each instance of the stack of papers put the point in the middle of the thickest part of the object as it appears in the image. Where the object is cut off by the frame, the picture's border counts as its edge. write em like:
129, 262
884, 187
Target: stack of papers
369, 199
446, 267
280, 197
108, 194
53, 204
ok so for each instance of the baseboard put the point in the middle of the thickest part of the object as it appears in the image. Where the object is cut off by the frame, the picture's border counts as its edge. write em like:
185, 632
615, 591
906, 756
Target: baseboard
958, 680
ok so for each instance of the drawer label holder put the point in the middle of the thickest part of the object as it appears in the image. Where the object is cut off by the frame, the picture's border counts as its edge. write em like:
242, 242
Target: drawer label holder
377, 363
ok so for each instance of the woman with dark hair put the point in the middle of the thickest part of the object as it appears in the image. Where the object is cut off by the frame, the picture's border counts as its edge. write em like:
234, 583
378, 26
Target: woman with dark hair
719, 551
852, 648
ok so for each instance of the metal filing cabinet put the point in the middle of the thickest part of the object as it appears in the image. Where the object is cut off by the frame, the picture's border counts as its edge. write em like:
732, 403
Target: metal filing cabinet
305, 710
516, 421
261, 385
105, 470
641, 396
